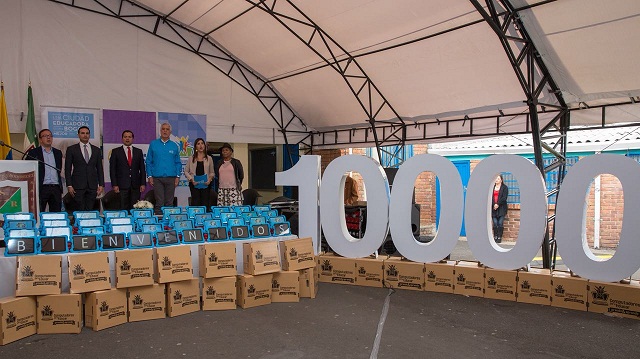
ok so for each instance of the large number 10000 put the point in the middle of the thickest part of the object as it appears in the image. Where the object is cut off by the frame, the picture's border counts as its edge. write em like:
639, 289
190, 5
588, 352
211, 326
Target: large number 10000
391, 211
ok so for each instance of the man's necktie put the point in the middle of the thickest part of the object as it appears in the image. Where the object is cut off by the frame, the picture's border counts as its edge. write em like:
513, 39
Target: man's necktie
129, 156
86, 154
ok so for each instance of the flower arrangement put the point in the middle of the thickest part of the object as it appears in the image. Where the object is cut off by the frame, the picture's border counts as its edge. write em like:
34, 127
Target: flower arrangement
143, 204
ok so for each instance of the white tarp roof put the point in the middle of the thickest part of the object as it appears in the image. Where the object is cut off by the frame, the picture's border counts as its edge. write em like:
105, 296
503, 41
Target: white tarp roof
429, 58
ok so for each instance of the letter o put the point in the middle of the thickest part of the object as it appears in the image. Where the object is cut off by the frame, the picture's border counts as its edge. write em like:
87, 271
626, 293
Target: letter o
533, 212
332, 206
571, 209
450, 212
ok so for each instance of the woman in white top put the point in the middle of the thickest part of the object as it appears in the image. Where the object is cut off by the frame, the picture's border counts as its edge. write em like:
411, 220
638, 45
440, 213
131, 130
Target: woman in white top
199, 172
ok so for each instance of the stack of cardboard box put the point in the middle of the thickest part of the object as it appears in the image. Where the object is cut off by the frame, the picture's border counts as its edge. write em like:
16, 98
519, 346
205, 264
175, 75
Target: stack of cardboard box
260, 260
298, 278
218, 269
174, 268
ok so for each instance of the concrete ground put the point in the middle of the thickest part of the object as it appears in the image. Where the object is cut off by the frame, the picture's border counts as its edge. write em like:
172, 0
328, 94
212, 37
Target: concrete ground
357, 322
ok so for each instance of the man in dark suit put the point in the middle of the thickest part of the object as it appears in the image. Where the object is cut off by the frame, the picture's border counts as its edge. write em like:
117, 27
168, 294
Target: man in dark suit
83, 171
49, 168
126, 167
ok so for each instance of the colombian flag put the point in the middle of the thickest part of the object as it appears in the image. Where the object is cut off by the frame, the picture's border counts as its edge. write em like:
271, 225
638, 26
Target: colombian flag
5, 152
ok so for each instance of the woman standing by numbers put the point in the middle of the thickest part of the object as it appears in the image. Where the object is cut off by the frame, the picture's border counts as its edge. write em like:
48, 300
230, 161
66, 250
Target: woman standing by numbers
499, 208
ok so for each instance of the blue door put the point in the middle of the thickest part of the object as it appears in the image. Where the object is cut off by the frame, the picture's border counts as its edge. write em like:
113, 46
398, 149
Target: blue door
464, 169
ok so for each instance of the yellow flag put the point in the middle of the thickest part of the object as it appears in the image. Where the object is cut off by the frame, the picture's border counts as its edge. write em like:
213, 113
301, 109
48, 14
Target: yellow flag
5, 152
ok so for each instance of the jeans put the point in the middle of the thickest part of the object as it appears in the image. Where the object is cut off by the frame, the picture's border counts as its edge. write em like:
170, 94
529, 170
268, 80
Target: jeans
498, 225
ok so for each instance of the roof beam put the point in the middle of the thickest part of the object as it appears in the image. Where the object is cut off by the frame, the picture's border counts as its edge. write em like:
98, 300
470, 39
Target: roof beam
370, 98
162, 26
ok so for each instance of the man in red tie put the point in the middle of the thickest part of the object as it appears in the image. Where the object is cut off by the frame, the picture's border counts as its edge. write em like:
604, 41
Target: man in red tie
127, 171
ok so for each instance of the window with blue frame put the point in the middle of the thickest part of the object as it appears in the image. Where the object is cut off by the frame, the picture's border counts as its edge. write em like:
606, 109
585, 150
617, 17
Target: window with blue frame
392, 156
551, 180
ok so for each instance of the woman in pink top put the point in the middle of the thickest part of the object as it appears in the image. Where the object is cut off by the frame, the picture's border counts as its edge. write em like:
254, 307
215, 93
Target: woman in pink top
499, 208
230, 174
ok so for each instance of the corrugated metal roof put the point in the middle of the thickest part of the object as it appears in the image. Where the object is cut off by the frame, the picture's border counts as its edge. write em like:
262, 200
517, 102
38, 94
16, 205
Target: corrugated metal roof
593, 140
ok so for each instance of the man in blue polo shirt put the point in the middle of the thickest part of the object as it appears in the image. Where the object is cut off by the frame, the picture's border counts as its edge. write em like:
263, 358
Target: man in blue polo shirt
163, 167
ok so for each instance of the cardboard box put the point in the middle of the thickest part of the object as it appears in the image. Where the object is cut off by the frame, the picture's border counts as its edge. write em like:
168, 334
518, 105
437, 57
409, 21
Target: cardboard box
105, 309
261, 257
500, 284
134, 268
616, 299
183, 297
568, 291
308, 281
403, 274
469, 279
534, 286
297, 254
219, 293
439, 277
18, 316
336, 269
370, 271
217, 260
59, 313
285, 287
89, 272
146, 303
173, 264
253, 290
38, 275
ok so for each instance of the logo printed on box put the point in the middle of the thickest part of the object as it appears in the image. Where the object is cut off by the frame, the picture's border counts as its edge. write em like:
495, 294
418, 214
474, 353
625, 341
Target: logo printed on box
137, 302
559, 290
27, 272
600, 295
78, 271
213, 258
251, 290
525, 285
11, 320
275, 284
177, 296
125, 267
461, 278
293, 253
492, 282
258, 256
104, 307
47, 313
166, 263
362, 271
392, 271
326, 267
211, 292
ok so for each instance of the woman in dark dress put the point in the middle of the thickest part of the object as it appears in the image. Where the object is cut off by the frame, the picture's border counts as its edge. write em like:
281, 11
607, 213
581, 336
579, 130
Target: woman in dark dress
499, 208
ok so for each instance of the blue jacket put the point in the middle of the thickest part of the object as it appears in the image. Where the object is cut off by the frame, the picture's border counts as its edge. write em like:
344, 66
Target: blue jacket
163, 159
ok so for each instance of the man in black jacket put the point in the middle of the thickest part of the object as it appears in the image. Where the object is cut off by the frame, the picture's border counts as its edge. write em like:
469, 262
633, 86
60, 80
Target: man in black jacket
83, 171
49, 168
127, 171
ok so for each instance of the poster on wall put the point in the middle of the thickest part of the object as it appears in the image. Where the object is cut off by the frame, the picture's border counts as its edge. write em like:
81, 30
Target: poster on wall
141, 123
64, 123
18, 186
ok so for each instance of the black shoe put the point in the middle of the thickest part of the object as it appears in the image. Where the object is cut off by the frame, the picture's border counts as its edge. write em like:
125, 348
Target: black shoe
498, 239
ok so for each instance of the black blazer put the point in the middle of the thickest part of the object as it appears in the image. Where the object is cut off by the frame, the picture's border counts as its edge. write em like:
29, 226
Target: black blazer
80, 174
502, 201
121, 174
37, 154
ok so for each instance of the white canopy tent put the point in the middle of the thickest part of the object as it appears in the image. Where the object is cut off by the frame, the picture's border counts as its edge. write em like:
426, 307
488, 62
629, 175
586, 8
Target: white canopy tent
326, 72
